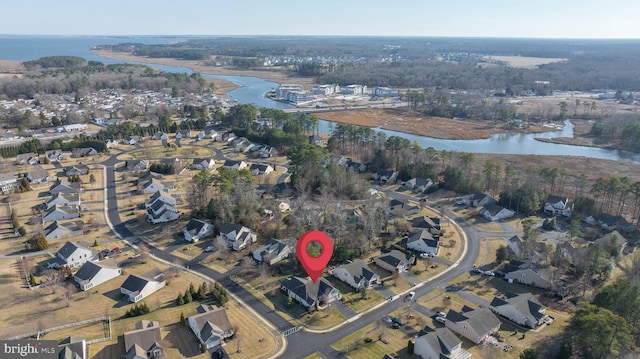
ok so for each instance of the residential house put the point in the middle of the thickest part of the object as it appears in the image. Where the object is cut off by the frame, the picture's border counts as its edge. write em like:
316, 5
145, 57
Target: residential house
609, 222
393, 261
422, 241
202, 164
143, 342
27, 159
64, 186
136, 287
64, 199
523, 309
612, 240
242, 145
440, 343
93, 274
418, 185
181, 134
57, 230
396, 206
557, 206
133, 140
272, 252
478, 199
162, 196
137, 165
57, 213
356, 274
211, 326
54, 156
145, 177
196, 230
237, 235
432, 224
226, 137
384, 176
260, 169
317, 140
265, 152
351, 165
535, 277
153, 186
39, 175
160, 211
76, 170
493, 212
159, 136
112, 143
234, 165
72, 348
8, 182
474, 324
71, 255
84, 152
310, 295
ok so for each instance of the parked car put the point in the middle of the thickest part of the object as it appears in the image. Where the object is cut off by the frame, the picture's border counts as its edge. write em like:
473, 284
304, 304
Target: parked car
116, 250
489, 273
396, 322
409, 296
441, 319
426, 255
209, 249
441, 314
105, 252
387, 319
477, 270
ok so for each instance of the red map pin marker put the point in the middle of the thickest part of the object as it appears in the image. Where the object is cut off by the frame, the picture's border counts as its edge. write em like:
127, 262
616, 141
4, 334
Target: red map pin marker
314, 265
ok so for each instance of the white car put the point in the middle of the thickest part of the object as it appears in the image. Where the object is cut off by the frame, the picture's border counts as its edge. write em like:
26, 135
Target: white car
441, 314
209, 249
441, 319
426, 255
489, 273
410, 296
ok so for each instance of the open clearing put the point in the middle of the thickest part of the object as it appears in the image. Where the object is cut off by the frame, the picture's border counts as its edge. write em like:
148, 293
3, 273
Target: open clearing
525, 61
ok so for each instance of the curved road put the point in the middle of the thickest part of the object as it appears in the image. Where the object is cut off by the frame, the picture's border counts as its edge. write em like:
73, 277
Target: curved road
302, 343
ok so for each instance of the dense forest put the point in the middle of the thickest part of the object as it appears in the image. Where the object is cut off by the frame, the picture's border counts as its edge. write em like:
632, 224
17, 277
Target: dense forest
422, 62
67, 74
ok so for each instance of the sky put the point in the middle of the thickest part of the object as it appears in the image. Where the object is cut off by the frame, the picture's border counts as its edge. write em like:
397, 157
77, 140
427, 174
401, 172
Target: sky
458, 18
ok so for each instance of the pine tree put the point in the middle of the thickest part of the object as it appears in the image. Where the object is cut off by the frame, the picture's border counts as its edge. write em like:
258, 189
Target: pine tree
179, 300
32, 280
182, 321
192, 290
187, 297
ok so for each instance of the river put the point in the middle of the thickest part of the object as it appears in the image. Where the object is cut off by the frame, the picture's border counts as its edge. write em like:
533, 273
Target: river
253, 89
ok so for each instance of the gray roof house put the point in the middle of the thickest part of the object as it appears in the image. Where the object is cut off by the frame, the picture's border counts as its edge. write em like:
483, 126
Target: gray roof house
308, 294
538, 277
473, 324
196, 230
440, 344
557, 205
72, 255
423, 241
493, 212
57, 230
147, 176
523, 309
234, 165
162, 196
430, 223
137, 165
237, 235
8, 182
419, 185
356, 274
385, 176
72, 348
393, 261
260, 169
609, 222
76, 170
211, 326
152, 186
478, 199
27, 158
202, 163
143, 342
64, 199
272, 252
92, 274
58, 212
39, 175
136, 287
62, 185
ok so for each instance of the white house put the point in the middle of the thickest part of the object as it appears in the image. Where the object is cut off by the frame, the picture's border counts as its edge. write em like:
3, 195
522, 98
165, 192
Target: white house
557, 205
422, 241
144, 341
57, 230
356, 274
393, 261
152, 186
493, 212
161, 212
162, 196
8, 182
27, 158
202, 163
308, 294
272, 252
237, 235
136, 287
419, 185
474, 324
260, 169
57, 212
211, 326
523, 309
196, 230
71, 255
234, 165
440, 344
39, 175
95, 273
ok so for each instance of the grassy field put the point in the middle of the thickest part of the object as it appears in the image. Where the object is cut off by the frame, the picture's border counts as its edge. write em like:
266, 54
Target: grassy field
487, 255
526, 62
354, 299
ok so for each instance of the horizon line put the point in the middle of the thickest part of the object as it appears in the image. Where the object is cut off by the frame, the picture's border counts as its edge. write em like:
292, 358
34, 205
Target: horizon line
327, 35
